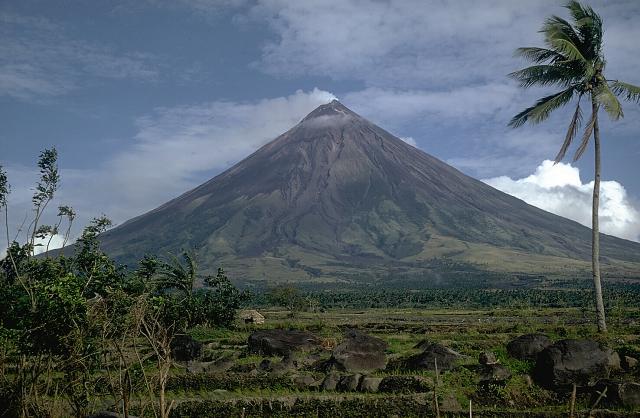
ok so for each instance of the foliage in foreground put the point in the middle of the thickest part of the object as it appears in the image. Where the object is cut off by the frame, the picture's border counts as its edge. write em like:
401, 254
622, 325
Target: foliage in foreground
73, 325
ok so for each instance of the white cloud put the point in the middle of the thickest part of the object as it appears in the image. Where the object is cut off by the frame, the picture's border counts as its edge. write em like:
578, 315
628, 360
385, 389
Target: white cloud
393, 43
38, 60
175, 147
418, 43
174, 150
559, 189
409, 140
447, 106
48, 243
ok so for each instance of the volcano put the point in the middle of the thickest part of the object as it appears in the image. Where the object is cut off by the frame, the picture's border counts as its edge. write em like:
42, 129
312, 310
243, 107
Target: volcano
339, 199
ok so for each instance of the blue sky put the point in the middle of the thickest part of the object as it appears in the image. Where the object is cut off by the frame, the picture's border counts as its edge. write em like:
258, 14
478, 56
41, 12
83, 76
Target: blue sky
146, 99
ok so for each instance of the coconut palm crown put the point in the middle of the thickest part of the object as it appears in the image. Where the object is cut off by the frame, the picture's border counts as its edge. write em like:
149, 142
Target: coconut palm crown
573, 60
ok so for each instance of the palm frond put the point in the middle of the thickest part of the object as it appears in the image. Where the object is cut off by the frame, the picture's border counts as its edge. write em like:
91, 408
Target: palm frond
177, 274
589, 26
540, 55
561, 37
605, 97
546, 74
627, 91
542, 108
576, 120
586, 136
567, 48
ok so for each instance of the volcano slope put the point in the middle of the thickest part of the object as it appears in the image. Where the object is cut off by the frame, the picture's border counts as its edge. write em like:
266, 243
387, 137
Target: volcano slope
339, 199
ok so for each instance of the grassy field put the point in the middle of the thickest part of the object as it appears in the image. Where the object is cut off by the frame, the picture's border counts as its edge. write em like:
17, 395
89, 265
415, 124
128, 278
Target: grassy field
241, 392
245, 389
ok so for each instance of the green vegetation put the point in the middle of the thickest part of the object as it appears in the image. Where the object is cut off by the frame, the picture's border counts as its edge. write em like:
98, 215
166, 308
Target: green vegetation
574, 61
72, 326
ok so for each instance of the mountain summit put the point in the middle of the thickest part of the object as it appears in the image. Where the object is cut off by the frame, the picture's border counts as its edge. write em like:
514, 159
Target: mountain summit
338, 198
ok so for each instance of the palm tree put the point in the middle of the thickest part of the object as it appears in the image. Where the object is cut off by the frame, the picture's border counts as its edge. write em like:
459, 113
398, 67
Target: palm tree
573, 60
180, 275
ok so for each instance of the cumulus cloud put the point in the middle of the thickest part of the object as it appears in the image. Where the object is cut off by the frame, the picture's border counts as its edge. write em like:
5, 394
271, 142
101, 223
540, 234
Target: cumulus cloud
48, 243
41, 245
559, 189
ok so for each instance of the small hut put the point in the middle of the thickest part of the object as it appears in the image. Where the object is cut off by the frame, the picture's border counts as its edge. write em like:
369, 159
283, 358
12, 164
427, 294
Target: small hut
252, 317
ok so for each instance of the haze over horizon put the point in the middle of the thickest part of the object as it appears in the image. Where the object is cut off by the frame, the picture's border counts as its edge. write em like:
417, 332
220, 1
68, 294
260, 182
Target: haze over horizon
145, 100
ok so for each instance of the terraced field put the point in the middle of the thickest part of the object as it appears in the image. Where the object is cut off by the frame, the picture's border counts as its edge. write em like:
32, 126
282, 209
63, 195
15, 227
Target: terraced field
228, 380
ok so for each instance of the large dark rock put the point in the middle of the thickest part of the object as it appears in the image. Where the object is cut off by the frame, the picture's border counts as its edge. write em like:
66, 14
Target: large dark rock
370, 384
528, 346
487, 358
493, 373
305, 382
349, 383
221, 365
330, 381
629, 393
287, 365
280, 342
618, 393
185, 348
568, 362
433, 353
629, 363
360, 352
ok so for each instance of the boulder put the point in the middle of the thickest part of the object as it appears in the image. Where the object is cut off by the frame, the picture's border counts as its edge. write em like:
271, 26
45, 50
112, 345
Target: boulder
629, 394
305, 382
311, 360
287, 365
446, 358
493, 374
626, 394
370, 384
528, 346
330, 381
265, 365
629, 363
185, 348
406, 384
278, 368
360, 352
349, 383
280, 342
487, 357
568, 362
614, 362
220, 365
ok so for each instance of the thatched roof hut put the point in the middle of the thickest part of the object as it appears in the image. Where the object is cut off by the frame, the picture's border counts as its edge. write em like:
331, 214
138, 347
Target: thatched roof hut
252, 316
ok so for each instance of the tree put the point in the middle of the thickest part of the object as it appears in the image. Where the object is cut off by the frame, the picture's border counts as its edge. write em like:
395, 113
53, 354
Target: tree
573, 60
286, 296
71, 325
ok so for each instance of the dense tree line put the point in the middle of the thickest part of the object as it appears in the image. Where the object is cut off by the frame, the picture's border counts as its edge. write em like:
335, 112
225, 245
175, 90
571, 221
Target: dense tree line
627, 295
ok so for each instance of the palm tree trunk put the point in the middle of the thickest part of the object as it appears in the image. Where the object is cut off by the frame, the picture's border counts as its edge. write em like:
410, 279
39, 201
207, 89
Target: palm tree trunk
595, 228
